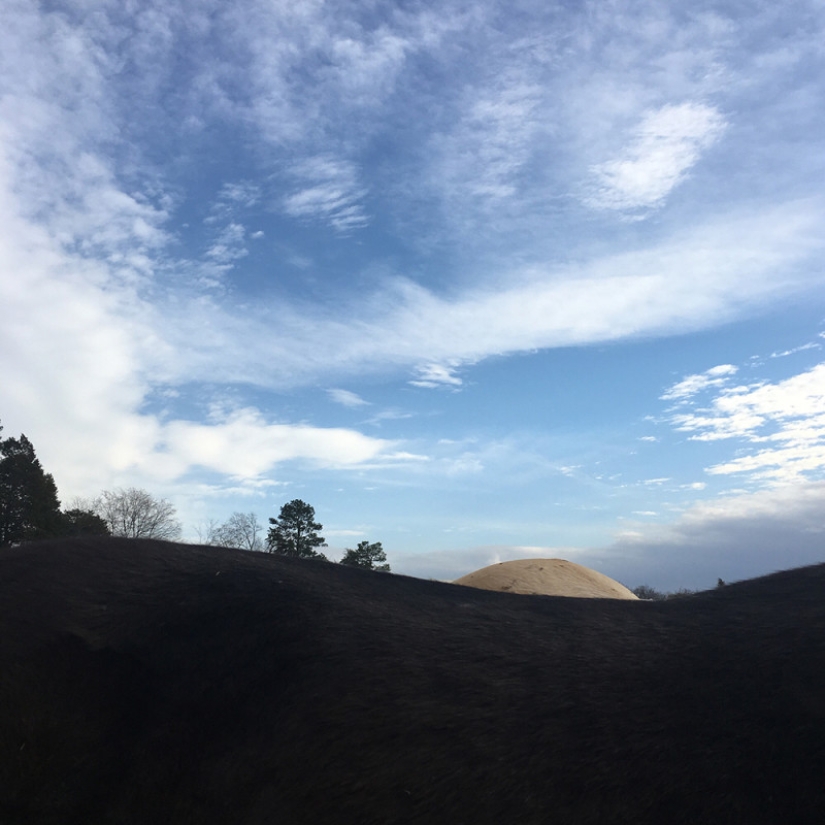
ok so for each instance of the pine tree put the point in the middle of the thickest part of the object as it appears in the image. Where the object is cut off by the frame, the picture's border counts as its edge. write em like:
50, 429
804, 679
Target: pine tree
29, 507
77, 522
295, 532
369, 556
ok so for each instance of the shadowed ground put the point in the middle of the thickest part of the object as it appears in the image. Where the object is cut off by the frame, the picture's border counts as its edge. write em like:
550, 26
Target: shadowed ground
145, 682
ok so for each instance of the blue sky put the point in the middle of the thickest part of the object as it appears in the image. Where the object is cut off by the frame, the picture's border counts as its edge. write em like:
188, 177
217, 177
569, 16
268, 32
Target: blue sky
477, 280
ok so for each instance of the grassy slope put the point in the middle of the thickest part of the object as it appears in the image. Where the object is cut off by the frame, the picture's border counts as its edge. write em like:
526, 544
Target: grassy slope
144, 682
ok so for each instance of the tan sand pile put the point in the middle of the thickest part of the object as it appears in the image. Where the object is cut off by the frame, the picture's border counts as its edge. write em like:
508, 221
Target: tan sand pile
546, 577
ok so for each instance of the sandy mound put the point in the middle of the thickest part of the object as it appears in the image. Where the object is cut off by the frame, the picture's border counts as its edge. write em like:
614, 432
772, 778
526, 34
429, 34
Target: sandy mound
546, 577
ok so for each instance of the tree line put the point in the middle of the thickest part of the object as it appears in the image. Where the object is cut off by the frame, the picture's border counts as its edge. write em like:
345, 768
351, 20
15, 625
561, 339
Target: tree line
30, 510
648, 593
294, 533
29, 506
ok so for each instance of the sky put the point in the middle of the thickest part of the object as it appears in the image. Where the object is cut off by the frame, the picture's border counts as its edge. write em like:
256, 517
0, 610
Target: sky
477, 280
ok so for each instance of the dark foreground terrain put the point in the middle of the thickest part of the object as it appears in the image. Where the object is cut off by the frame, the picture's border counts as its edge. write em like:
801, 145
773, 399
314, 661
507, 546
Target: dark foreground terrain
145, 682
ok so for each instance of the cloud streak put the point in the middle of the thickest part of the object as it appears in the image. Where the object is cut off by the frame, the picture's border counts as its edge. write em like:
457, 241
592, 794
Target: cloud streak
715, 272
347, 398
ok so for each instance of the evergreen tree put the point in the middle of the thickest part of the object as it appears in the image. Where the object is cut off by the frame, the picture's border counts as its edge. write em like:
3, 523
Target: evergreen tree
78, 522
295, 532
369, 556
29, 507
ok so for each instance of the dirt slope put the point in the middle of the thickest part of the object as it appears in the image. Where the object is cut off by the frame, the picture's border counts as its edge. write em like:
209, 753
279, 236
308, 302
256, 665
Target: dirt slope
546, 577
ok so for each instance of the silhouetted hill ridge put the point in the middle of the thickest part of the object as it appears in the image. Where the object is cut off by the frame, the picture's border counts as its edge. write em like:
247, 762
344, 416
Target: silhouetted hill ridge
147, 682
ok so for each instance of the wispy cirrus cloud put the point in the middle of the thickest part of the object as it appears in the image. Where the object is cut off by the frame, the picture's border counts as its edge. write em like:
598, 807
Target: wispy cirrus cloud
233, 196
227, 242
478, 165
328, 191
692, 384
715, 271
801, 348
312, 64
228, 245
436, 375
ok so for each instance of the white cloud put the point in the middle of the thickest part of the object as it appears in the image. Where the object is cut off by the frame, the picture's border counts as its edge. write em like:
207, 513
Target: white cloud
347, 398
693, 384
436, 375
55, 139
89, 349
785, 418
666, 144
228, 246
245, 445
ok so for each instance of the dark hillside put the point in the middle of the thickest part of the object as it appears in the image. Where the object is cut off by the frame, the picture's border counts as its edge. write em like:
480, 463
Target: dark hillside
148, 682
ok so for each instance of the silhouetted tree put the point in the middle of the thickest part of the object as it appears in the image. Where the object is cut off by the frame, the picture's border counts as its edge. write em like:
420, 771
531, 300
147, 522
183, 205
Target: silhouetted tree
136, 514
29, 507
295, 532
369, 556
681, 593
240, 530
644, 591
77, 522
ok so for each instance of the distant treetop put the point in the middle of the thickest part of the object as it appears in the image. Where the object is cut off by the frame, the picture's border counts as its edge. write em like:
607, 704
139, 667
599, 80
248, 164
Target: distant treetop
369, 556
295, 532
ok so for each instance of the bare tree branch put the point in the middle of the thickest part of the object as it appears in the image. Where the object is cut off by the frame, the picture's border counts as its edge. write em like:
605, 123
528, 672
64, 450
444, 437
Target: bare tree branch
136, 514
